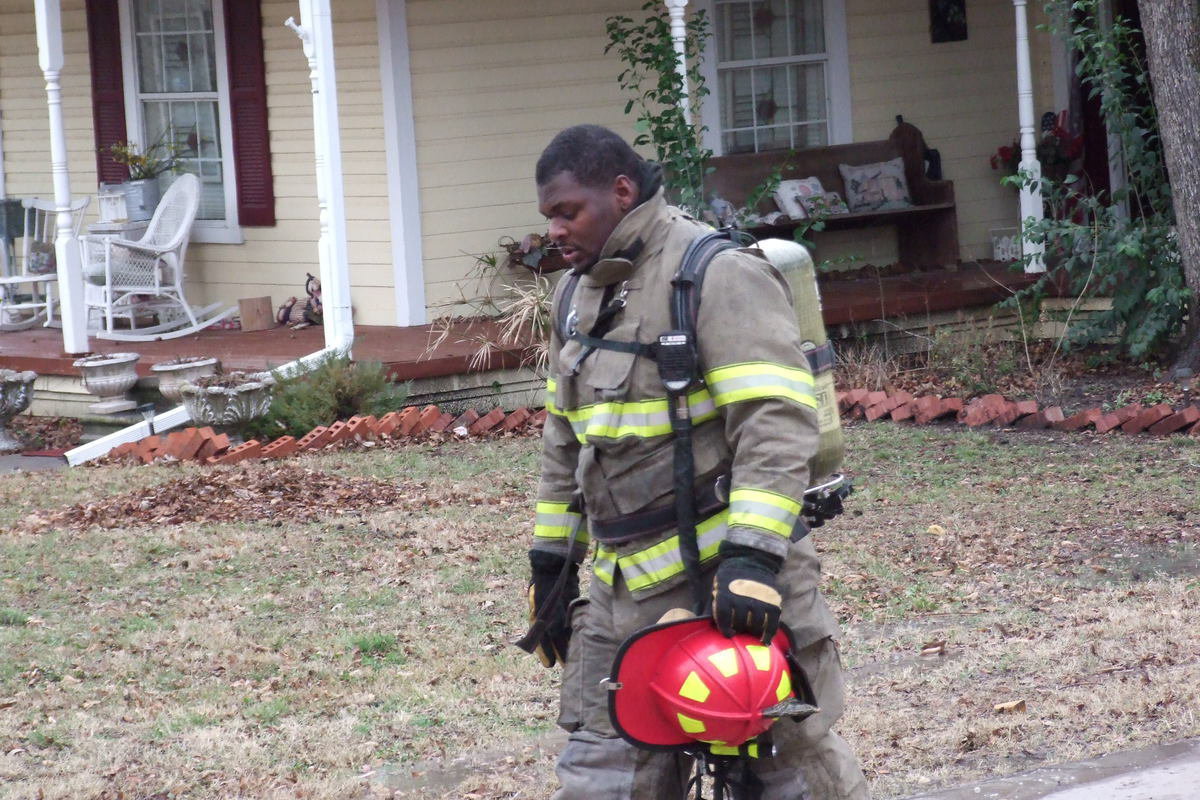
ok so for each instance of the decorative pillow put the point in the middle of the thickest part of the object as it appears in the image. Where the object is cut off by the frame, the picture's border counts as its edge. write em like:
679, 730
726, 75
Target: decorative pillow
828, 203
42, 260
790, 195
872, 187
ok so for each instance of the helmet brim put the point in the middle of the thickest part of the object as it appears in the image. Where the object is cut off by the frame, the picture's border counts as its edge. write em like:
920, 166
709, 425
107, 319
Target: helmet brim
633, 705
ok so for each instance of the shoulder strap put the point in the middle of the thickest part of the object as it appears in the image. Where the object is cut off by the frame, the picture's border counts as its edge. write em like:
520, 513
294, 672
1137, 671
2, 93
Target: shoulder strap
563, 311
685, 301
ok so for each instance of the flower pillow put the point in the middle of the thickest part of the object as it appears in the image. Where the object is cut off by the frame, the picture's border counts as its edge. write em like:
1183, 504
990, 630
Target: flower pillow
791, 196
874, 187
42, 258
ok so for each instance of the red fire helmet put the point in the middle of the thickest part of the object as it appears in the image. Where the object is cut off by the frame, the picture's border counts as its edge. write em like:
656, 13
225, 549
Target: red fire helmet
678, 683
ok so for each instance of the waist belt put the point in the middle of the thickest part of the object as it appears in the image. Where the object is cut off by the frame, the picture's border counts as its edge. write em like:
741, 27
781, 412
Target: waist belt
710, 498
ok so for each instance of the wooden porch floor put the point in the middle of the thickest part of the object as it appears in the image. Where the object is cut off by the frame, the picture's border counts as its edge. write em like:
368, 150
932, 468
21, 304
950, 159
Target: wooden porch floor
405, 350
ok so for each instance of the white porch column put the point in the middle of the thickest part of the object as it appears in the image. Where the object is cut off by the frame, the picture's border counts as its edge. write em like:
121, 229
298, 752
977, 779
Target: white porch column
66, 247
677, 10
1031, 199
316, 32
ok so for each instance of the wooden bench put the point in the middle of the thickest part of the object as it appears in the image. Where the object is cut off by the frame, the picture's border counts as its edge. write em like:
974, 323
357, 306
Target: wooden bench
927, 231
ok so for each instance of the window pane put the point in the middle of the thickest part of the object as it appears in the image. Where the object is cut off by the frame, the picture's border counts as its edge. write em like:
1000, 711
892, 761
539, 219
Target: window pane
809, 27
808, 91
734, 31
194, 127
771, 29
175, 49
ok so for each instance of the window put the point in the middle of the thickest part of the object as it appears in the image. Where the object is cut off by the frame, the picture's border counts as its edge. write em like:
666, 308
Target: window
176, 91
778, 75
191, 72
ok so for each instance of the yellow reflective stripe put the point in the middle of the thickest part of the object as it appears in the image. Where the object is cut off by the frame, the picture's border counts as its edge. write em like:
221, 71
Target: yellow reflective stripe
725, 750
784, 689
604, 565
695, 689
554, 521
760, 380
757, 508
551, 393
689, 725
642, 418
663, 561
761, 655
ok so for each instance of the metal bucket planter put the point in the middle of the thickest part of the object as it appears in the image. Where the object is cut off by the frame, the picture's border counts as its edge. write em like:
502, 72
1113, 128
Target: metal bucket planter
178, 371
228, 400
16, 390
109, 377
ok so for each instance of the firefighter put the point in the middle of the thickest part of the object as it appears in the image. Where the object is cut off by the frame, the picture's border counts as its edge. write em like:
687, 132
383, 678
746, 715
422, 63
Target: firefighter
608, 473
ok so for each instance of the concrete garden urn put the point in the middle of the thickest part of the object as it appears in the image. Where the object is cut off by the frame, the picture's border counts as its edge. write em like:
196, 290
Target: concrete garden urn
16, 390
178, 371
109, 377
228, 400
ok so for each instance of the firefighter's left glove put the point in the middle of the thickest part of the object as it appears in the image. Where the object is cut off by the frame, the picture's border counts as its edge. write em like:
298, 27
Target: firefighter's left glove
746, 596
545, 571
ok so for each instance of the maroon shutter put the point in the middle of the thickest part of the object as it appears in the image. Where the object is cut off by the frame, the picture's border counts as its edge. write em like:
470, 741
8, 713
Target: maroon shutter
108, 86
248, 109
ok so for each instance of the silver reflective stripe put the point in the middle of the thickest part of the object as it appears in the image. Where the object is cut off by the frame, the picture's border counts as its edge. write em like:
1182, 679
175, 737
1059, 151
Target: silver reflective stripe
727, 385
741, 510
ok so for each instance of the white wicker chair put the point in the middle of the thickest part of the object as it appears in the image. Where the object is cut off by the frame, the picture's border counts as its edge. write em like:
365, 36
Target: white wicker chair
130, 279
27, 295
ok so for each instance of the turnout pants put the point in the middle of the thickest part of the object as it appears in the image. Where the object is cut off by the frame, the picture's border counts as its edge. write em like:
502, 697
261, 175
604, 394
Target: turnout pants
811, 762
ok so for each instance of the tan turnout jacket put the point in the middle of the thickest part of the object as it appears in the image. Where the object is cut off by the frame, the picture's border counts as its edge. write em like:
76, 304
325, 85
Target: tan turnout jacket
608, 431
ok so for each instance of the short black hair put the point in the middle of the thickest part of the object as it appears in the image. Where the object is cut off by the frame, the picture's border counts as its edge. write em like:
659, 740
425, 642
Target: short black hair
593, 154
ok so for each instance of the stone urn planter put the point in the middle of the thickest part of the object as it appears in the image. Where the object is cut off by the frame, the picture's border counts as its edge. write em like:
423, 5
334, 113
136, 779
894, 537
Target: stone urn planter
178, 371
109, 377
228, 400
16, 390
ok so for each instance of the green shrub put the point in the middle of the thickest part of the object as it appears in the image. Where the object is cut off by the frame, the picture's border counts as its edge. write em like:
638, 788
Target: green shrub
337, 389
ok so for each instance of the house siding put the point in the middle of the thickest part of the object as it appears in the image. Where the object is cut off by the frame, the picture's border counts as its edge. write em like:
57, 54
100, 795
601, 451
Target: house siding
492, 83
273, 260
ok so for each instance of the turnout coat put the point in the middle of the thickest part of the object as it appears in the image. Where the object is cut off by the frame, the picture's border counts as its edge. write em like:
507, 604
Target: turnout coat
608, 438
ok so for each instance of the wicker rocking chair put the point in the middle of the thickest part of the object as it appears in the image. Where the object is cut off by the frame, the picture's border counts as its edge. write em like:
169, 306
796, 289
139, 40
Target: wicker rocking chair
135, 279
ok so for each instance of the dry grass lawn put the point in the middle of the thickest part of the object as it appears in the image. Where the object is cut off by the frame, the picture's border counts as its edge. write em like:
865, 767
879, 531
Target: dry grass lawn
361, 650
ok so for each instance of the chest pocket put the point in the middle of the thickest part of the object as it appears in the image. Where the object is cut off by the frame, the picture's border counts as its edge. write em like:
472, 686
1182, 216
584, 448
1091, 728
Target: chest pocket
609, 373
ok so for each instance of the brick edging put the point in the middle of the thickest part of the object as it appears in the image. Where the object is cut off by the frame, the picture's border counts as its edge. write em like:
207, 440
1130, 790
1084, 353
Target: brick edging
998, 411
205, 446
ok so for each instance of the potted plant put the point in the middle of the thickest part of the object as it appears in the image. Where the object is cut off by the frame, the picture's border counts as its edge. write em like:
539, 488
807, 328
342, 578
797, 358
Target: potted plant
109, 376
16, 390
228, 400
142, 191
185, 369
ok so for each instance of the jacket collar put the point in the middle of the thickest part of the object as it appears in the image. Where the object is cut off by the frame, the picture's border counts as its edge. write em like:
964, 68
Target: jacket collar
638, 237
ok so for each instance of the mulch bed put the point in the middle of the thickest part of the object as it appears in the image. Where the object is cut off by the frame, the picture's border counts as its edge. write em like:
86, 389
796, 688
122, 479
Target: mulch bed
267, 491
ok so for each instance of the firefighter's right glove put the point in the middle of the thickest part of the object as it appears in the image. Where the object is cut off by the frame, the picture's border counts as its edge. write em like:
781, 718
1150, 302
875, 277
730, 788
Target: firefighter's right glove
545, 571
746, 597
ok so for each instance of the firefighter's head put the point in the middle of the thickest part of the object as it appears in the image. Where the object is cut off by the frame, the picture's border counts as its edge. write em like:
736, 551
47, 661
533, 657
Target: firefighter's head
588, 179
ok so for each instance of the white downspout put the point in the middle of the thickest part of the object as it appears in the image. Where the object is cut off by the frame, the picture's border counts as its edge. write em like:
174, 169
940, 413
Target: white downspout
1031, 198
66, 247
335, 285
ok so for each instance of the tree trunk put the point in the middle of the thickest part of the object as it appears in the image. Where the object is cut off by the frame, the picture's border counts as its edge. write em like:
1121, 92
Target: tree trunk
1172, 31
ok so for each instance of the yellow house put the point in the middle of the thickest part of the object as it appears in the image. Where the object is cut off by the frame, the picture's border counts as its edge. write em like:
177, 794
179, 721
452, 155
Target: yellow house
444, 105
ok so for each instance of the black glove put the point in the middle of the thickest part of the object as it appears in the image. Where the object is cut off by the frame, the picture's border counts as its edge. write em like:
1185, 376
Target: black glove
746, 597
551, 611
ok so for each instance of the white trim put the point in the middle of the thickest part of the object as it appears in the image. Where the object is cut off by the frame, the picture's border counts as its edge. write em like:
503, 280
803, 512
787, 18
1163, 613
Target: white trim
400, 137
228, 230
837, 45
837, 77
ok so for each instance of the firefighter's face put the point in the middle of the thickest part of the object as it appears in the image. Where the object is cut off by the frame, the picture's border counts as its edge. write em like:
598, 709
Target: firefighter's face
583, 217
